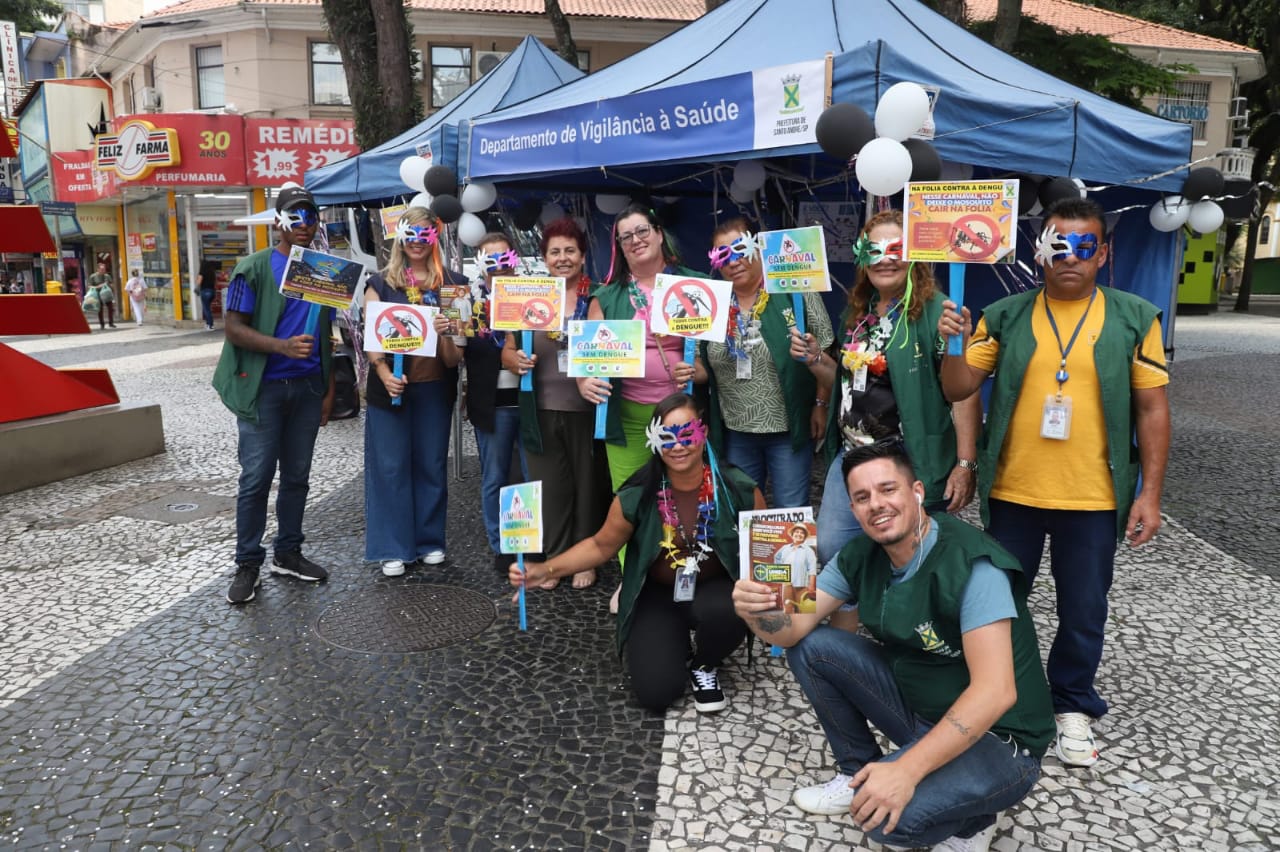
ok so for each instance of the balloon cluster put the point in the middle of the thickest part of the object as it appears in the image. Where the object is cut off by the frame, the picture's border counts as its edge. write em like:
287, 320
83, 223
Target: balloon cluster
1194, 206
885, 157
439, 195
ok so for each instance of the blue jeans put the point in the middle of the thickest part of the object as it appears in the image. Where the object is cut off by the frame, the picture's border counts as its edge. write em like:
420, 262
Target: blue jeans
285, 435
768, 457
206, 306
850, 684
1082, 552
496, 449
406, 473
836, 523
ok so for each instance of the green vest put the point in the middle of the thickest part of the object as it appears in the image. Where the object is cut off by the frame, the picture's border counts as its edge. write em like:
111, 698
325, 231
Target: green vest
615, 303
799, 387
1128, 318
918, 624
642, 548
238, 375
927, 428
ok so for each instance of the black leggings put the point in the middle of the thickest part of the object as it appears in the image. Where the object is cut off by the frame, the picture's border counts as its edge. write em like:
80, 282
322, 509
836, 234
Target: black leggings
658, 645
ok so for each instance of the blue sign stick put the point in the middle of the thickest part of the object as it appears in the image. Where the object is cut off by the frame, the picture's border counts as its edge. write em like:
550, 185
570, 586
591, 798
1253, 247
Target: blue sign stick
602, 418
526, 343
690, 350
313, 319
955, 343
397, 370
797, 308
524, 615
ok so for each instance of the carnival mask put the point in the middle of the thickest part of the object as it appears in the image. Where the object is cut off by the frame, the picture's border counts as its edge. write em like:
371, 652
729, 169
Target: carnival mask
1053, 246
744, 247
298, 217
666, 437
500, 260
868, 252
406, 233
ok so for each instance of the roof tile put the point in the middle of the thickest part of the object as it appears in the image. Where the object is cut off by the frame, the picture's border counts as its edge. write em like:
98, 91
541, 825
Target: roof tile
659, 10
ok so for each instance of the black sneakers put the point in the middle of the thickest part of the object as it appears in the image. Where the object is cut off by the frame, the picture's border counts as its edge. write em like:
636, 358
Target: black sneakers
708, 697
296, 565
244, 585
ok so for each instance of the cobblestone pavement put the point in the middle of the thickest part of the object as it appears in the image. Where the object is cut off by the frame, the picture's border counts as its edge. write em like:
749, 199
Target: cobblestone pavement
139, 710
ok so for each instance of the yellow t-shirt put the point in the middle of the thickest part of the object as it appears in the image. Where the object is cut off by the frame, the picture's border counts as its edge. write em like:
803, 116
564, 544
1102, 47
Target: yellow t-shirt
1045, 472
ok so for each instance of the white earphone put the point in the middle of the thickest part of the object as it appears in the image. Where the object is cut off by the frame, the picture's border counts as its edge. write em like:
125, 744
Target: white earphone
919, 498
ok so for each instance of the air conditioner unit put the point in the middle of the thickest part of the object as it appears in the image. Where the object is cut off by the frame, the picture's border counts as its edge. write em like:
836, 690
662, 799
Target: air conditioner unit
487, 60
1239, 109
151, 101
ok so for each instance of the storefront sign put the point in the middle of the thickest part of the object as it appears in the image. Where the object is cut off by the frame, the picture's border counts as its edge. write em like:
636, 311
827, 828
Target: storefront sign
98, 220
281, 149
133, 250
137, 149
9, 57
77, 178
212, 148
6, 184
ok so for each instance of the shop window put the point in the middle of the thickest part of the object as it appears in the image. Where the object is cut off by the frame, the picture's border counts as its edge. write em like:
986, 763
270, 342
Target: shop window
1189, 104
450, 73
211, 86
328, 79
1264, 231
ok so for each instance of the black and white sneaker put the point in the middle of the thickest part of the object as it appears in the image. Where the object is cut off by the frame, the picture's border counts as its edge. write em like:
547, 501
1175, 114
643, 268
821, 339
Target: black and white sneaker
296, 565
708, 697
243, 587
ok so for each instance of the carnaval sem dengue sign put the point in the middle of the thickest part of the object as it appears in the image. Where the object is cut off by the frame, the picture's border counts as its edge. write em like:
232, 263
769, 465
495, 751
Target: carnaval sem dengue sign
520, 527
606, 349
795, 262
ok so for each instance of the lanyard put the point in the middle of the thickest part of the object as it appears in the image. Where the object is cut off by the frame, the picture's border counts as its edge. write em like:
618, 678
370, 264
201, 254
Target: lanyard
1062, 375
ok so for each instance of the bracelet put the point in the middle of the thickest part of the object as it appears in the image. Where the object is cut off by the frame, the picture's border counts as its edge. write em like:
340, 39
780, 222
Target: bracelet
967, 464
823, 402
814, 360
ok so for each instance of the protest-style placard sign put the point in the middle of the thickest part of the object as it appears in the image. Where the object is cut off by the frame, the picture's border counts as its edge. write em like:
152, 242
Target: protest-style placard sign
527, 304
520, 527
400, 329
320, 278
606, 349
971, 221
696, 308
795, 261
391, 218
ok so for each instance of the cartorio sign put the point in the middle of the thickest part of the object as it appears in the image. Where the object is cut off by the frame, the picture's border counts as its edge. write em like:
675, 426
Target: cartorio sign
137, 149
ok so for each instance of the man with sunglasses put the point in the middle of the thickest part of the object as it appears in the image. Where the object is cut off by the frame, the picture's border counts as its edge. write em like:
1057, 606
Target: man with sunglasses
276, 379
1079, 373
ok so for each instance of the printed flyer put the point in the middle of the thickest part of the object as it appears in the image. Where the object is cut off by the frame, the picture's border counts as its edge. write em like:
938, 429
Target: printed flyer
795, 261
527, 304
390, 218
779, 547
606, 349
520, 518
399, 329
691, 307
974, 221
324, 279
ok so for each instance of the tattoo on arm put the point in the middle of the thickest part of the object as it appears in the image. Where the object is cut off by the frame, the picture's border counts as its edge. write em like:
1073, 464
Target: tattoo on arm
961, 727
773, 623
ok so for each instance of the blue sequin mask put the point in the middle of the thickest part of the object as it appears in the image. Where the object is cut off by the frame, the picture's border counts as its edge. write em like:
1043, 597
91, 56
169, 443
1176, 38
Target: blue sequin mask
1053, 246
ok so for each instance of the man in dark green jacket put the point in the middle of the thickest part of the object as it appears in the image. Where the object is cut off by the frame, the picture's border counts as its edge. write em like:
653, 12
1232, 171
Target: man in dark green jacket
275, 378
952, 674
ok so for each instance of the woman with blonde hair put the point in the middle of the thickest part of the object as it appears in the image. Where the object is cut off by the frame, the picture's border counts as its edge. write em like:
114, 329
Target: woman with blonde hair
883, 369
406, 444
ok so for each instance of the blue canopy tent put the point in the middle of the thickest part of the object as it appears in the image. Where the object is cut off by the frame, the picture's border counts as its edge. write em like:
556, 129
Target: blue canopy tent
531, 69
992, 111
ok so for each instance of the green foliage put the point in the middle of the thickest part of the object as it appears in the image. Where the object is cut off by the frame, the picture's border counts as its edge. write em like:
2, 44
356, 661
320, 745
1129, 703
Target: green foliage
1089, 61
29, 15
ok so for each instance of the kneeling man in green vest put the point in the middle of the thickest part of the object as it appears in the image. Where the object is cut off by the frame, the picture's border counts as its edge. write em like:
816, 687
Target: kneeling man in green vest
953, 675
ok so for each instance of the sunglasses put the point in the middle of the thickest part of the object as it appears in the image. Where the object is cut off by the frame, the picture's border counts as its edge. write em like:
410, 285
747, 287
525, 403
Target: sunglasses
500, 260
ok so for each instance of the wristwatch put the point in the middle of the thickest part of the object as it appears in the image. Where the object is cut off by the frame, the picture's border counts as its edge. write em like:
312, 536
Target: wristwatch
968, 464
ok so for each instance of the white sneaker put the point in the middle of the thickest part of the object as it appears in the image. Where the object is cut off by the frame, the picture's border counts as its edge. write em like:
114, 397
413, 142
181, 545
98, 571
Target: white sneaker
392, 568
829, 799
435, 557
980, 842
1074, 744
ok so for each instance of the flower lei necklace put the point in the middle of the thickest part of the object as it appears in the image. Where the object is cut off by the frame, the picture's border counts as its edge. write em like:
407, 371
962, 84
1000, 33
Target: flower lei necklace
865, 343
741, 324
638, 300
418, 296
580, 308
671, 521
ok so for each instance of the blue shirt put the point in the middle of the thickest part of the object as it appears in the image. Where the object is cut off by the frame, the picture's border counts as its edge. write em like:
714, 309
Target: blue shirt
988, 597
241, 296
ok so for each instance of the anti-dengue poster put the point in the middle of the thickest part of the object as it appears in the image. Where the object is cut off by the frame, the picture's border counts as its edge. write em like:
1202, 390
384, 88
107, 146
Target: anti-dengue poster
399, 329
390, 218
606, 349
795, 261
527, 304
520, 518
319, 278
971, 221
691, 307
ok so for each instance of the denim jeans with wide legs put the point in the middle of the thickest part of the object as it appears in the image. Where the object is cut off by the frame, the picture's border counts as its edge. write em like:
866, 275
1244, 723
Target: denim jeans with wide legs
850, 684
285, 435
1082, 552
406, 473
768, 457
496, 451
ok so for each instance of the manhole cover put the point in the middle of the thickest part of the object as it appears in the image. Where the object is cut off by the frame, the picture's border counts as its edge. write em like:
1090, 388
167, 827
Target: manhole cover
398, 619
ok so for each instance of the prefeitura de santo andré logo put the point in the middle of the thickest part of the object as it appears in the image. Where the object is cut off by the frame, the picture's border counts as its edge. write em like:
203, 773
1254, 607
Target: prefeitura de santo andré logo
791, 95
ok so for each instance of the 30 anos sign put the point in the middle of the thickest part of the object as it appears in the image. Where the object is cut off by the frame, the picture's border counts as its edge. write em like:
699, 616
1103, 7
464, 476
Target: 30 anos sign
137, 149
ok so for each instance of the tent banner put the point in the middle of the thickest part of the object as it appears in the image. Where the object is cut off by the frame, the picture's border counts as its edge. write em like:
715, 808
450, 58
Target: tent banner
768, 108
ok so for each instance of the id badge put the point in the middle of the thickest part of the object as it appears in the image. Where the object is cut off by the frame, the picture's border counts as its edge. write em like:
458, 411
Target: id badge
860, 380
1055, 422
562, 361
743, 366
686, 581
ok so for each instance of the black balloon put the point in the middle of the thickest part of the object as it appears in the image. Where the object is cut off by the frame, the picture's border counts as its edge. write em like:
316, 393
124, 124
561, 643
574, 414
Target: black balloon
441, 181
447, 207
1028, 193
843, 129
1056, 189
526, 215
1203, 182
1241, 198
925, 162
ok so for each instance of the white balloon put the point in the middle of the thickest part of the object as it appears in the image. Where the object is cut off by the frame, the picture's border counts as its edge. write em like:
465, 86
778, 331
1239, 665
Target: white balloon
902, 110
749, 174
883, 166
612, 205
741, 194
478, 196
471, 229
1169, 213
551, 211
413, 171
1205, 217
422, 199
1080, 186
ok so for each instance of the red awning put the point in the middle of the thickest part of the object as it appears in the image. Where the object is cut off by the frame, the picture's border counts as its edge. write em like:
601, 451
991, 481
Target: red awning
22, 229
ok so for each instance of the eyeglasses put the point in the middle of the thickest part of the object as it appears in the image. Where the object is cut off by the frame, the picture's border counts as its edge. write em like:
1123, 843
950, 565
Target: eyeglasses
641, 232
